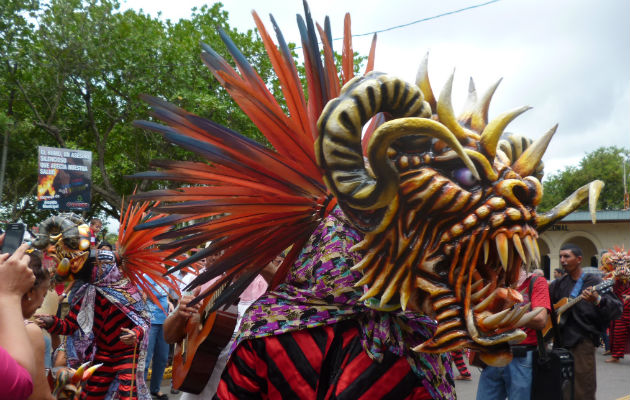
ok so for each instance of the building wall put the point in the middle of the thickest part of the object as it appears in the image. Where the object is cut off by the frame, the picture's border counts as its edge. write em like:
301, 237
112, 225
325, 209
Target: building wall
594, 240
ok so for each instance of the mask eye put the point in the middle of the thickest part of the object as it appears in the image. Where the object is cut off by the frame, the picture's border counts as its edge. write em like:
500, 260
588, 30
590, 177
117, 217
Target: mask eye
464, 177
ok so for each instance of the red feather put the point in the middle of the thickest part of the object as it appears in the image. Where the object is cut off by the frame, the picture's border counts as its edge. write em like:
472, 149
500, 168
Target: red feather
249, 202
139, 254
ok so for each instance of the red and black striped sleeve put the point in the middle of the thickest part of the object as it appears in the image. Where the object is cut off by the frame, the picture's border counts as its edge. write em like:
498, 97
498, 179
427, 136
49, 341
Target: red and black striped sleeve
68, 325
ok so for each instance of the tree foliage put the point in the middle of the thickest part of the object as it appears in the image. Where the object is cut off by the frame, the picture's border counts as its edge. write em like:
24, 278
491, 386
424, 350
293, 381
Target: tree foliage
604, 163
74, 70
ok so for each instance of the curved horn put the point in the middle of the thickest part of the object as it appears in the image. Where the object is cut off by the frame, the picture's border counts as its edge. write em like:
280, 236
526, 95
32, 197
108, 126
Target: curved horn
422, 81
590, 192
338, 147
445, 110
493, 131
479, 118
528, 161
469, 107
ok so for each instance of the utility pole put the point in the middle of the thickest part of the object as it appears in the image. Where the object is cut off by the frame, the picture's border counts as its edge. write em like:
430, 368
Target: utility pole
626, 197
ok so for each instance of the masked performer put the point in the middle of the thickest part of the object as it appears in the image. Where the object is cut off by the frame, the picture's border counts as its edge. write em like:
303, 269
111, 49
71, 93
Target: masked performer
616, 264
108, 304
396, 258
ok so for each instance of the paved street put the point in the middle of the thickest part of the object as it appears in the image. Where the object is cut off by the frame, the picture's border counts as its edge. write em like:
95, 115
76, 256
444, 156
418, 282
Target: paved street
613, 381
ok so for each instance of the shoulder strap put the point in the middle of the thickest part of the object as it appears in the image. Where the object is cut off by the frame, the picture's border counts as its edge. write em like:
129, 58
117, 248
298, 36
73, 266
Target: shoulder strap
577, 289
557, 341
541, 343
531, 287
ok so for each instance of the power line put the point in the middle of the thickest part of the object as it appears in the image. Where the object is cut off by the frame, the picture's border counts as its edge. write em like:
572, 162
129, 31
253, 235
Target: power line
425, 19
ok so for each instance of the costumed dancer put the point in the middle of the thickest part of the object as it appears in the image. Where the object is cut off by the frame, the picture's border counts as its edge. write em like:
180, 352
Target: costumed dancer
112, 308
109, 303
460, 364
616, 265
395, 260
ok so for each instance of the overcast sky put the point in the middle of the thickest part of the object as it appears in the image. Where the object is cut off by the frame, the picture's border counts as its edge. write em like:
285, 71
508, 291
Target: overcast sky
568, 59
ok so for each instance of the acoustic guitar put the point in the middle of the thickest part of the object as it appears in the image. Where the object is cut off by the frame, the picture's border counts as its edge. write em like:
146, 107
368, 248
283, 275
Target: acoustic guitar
566, 303
195, 356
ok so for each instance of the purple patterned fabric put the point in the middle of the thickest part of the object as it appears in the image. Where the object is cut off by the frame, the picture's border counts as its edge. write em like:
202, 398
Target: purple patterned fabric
319, 290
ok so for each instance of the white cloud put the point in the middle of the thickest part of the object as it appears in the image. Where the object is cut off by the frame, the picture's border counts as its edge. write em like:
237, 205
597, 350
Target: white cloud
569, 59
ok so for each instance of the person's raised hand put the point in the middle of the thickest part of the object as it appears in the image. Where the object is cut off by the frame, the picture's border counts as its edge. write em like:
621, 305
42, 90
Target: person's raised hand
183, 310
17, 277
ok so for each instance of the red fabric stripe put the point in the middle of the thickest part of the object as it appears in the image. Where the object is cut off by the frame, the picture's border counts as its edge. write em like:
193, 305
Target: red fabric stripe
248, 383
245, 353
619, 336
348, 336
310, 349
353, 370
285, 364
388, 380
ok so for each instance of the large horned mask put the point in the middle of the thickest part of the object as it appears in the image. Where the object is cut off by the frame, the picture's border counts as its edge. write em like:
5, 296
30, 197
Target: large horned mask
615, 264
448, 209
67, 238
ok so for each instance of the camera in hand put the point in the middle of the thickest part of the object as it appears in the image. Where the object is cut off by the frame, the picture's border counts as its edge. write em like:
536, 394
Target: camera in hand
14, 234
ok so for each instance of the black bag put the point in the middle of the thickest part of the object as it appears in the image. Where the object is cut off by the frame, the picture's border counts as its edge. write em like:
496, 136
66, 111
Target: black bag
552, 371
552, 375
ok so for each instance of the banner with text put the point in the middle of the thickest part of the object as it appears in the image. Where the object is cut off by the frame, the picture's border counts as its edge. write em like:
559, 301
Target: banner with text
65, 179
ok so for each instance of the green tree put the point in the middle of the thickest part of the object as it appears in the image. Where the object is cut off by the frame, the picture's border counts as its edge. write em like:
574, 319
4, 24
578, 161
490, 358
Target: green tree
604, 164
85, 64
16, 29
81, 66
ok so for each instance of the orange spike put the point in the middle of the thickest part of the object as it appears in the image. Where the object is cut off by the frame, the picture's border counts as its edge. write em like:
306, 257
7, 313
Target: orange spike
370, 62
347, 56
329, 62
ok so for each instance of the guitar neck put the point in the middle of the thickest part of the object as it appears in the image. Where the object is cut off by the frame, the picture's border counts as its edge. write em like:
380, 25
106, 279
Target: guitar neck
571, 302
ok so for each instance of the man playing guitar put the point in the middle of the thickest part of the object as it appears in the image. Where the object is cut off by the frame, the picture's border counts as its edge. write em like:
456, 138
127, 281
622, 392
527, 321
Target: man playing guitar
586, 320
176, 329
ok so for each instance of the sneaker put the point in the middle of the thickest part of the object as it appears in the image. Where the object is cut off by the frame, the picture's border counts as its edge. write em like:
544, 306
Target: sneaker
463, 378
174, 391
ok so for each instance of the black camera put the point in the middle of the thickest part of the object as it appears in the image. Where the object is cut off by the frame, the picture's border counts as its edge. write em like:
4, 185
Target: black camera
14, 235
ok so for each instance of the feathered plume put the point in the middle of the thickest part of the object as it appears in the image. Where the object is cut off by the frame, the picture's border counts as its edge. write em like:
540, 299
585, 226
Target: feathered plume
249, 201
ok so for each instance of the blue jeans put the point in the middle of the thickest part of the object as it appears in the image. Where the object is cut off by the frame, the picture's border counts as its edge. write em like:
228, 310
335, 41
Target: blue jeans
513, 381
158, 352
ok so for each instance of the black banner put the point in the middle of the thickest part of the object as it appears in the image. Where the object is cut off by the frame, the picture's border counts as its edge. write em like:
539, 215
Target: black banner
65, 179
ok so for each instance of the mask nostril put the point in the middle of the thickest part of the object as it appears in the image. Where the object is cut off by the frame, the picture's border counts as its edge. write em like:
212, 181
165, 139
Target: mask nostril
521, 194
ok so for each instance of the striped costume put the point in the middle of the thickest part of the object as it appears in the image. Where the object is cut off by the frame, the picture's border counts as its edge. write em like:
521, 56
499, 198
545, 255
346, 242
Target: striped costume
620, 327
458, 359
103, 307
311, 337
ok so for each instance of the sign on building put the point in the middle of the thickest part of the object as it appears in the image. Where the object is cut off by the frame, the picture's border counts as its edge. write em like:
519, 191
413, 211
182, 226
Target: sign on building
65, 179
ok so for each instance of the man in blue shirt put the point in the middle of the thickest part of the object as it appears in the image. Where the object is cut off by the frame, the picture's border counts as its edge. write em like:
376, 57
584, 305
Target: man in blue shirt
158, 348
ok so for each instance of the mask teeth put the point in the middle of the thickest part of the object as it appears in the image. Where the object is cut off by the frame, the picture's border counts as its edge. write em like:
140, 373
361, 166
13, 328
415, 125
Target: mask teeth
510, 318
522, 244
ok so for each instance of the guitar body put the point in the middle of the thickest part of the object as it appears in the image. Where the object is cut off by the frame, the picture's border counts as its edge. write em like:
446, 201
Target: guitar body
195, 357
558, 307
